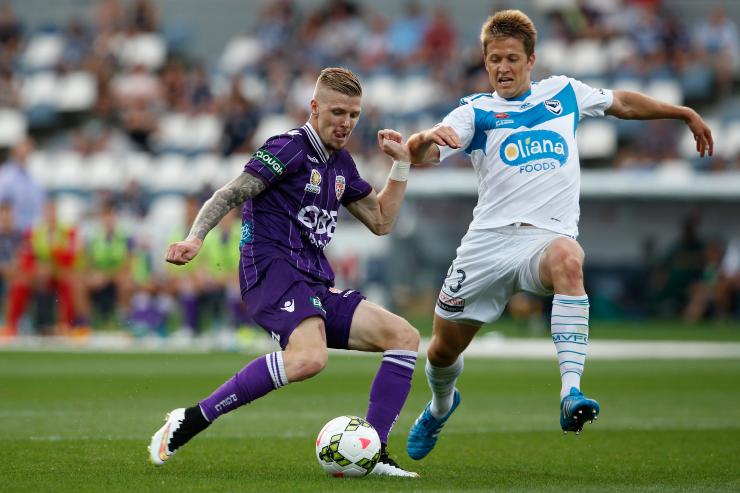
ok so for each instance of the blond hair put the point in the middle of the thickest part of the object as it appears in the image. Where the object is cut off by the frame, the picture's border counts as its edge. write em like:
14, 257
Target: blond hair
509, 24
341, 80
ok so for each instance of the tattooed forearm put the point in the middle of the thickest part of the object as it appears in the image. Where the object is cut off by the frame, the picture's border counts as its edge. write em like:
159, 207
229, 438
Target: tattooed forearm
233, 194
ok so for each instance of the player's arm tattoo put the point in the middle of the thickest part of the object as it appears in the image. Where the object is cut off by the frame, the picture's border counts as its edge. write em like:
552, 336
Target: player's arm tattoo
233, 194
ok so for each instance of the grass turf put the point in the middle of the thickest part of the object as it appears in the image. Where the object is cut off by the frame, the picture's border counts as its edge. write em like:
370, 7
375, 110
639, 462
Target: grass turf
81, 422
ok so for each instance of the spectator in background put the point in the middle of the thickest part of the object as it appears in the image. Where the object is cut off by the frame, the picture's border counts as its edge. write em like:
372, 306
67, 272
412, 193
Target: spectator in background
241, 118
11, 32
108, 268
439, 40
47, 275
10, 242
221, 250
19, 188
143, 16
719, 44
683, 265
9, 87
406, 34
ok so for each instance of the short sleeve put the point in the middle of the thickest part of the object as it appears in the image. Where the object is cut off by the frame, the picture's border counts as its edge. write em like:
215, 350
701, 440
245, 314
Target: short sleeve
462, 121
591, 101
276, 158
356, 187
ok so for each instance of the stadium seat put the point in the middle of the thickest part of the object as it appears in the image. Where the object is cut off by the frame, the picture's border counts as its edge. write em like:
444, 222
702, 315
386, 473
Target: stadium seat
39, 89
172, 175
13, 126
208, 169
586, 58
71, 208
173, 132
43, 51
252, 87
239, 53
552, 55
138, 167
272, 125
105, 172
69, 172
147, 49
205, 132
665, 90
732, 140
417, 94
41, 168
597, 139
619, 50
77, 91
382, 92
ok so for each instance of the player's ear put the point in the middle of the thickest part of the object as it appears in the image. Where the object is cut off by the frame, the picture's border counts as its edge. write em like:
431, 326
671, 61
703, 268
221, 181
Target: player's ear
531, 60
314, 107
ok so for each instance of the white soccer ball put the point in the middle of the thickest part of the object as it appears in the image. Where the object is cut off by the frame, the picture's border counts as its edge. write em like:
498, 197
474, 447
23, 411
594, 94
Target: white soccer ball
348, 446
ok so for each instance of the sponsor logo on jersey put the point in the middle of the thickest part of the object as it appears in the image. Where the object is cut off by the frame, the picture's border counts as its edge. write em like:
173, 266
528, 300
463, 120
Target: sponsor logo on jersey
525, 106
316, 302
318, 222
288, 306
502, 115
501, 123
314, 182
271, 162
246, 233
450, 303
339, 186
554, 106
539, 150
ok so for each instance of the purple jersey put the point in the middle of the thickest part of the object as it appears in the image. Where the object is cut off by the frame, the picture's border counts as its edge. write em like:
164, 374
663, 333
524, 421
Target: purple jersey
295, 217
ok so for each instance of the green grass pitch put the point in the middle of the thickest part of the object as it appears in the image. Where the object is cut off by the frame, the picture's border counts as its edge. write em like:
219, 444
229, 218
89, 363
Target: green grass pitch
81, 422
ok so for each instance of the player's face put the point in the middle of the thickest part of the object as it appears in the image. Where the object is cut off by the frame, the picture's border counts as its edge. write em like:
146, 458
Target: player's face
335, 115
508, 67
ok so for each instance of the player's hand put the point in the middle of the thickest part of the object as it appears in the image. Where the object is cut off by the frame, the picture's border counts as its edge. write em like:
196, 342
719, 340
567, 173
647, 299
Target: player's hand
445, 136
391, 143
182, 252
702, 135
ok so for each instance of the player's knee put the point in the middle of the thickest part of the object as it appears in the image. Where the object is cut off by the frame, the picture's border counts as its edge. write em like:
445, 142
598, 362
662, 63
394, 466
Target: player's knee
407, 337
566, 261
442, 355
307, 364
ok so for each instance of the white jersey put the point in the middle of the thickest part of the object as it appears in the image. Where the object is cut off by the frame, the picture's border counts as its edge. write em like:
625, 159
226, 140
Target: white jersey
524, 152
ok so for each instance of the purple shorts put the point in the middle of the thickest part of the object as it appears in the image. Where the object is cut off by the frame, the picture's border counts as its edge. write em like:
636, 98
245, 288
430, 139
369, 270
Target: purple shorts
285, 297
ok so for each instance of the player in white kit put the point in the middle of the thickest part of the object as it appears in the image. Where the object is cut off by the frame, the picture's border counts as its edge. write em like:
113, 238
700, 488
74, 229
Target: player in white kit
521, 140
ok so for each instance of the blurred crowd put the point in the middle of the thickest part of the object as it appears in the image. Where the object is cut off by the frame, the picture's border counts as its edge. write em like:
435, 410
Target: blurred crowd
118, 80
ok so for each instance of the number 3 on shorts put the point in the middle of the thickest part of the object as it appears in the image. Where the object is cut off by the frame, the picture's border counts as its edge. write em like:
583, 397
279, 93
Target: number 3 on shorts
454, 279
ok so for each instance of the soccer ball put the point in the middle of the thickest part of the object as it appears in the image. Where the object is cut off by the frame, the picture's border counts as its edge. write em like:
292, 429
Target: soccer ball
348, 446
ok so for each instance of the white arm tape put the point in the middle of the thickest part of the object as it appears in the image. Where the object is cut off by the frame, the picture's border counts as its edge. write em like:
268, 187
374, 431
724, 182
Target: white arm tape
400, 171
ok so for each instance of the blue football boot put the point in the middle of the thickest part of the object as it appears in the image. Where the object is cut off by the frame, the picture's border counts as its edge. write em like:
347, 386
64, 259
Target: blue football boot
576, 409
425, 431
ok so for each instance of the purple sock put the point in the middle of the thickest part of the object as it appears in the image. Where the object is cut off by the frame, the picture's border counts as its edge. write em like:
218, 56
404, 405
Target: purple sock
259, 377
389, 391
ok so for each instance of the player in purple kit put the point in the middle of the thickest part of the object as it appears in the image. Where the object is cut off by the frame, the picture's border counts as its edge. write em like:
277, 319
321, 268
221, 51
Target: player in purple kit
291, 190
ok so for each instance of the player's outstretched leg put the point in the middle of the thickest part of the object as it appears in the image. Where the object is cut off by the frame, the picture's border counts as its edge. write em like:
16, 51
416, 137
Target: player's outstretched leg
179, 427
576, 410
425, 431
259, 377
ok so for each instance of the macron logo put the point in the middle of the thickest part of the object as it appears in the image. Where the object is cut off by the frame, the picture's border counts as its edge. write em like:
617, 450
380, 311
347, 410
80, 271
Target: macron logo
312, 159
288, 306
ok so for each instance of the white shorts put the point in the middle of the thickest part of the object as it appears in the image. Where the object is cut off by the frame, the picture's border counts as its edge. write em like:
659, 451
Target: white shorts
492, 265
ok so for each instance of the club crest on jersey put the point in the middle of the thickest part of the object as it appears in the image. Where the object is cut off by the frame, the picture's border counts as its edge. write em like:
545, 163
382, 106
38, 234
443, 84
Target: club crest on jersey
534, 150
314, 182
339, 186
554, 106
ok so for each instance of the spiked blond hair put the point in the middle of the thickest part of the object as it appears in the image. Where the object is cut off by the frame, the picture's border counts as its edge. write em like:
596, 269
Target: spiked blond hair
510, 24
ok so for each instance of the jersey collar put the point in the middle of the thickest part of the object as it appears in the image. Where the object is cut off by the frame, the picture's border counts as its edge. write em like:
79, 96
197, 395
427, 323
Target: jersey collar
518, 98
316, 143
